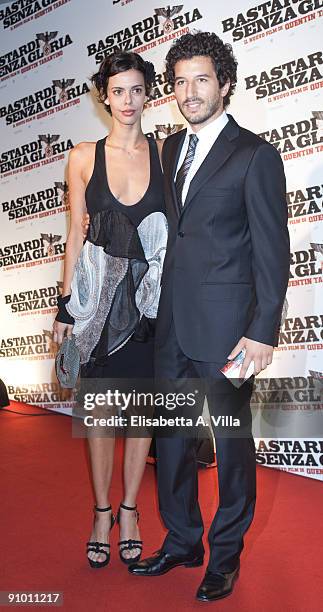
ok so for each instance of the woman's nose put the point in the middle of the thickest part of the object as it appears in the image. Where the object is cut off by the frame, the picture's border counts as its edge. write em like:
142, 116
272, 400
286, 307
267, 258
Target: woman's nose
128, 98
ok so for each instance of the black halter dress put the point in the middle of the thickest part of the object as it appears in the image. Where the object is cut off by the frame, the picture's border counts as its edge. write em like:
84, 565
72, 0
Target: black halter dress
118, 276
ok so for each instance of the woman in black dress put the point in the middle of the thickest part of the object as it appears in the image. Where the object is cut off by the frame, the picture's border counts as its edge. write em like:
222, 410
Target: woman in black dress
112, 282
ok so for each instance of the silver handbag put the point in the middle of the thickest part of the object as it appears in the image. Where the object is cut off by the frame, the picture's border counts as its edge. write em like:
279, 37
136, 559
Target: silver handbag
67, 363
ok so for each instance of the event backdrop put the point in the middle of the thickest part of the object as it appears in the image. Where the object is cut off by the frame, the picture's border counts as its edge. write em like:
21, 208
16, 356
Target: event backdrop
49, 50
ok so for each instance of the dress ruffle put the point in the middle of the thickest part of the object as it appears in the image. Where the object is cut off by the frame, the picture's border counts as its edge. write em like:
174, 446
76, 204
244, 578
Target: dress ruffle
116, 234
116, 283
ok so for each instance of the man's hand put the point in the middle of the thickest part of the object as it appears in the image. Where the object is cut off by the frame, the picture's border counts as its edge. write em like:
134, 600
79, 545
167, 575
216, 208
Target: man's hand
85, 224
261, 354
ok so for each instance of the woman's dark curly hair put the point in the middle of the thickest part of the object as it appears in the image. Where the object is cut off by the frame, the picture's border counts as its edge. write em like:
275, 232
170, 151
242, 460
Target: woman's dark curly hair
209, 45
121, 61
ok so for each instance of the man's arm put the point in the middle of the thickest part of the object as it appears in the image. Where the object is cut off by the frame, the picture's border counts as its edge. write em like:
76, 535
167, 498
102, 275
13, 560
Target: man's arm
265, 198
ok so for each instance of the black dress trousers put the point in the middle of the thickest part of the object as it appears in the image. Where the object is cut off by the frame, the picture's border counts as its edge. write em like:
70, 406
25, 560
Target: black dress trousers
177, 466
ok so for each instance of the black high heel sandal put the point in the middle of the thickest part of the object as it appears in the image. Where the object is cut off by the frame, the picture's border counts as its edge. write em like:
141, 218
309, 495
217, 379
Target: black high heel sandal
129, 544
99, 547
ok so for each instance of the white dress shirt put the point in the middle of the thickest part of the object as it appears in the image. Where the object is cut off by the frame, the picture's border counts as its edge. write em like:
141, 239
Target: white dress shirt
206, 139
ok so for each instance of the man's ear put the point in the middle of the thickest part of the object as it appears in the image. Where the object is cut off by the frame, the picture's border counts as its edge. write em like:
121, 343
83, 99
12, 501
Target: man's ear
225, 89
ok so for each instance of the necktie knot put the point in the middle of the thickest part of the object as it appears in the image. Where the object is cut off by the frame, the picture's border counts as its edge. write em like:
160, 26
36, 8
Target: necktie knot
193, 142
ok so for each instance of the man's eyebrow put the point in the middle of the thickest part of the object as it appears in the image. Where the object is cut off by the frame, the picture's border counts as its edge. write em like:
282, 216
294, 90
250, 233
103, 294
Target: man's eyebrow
197, 76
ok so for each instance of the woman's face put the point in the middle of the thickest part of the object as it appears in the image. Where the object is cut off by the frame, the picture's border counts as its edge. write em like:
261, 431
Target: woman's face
126, 96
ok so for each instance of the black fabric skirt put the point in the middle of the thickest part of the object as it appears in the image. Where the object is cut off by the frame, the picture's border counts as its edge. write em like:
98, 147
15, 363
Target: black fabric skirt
134, 360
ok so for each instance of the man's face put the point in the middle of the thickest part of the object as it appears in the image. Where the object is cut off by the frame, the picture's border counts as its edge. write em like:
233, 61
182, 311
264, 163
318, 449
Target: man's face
197, 90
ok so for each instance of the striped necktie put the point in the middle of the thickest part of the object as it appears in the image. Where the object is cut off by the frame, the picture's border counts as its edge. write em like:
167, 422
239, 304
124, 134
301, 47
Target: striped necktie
182, 173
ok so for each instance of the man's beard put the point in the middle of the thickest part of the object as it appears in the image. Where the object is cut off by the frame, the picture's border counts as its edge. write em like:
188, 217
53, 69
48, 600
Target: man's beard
206, 112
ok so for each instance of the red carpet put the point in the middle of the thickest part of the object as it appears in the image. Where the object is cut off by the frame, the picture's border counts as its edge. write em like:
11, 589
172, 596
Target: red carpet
46, 519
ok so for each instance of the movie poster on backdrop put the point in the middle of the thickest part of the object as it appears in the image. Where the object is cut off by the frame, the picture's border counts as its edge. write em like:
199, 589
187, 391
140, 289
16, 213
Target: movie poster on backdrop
50, 50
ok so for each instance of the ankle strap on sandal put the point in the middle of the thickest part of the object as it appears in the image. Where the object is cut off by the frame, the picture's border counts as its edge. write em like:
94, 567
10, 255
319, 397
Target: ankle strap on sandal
103, 509
128, 507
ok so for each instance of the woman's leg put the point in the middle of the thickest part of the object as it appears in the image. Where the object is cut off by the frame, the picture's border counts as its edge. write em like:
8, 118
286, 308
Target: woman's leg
101, 455
136, 451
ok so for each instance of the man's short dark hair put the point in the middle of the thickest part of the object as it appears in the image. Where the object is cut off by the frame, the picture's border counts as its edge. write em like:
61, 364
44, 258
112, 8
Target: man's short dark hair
209, 45
117, 62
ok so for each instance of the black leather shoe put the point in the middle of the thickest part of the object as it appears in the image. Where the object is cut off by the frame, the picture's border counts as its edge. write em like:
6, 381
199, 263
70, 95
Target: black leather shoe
162, 562
217, 585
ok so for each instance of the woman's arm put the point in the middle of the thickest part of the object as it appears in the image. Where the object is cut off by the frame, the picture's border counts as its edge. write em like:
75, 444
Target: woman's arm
76, 164
76, 186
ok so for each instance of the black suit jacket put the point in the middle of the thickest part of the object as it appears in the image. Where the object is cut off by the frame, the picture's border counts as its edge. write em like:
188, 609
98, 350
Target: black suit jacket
227, 261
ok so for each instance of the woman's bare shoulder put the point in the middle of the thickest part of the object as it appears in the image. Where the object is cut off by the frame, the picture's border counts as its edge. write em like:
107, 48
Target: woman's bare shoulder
83, 149
82, 153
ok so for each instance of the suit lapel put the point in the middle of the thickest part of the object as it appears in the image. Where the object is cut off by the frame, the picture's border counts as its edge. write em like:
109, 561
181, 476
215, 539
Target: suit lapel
172, 161
219, 153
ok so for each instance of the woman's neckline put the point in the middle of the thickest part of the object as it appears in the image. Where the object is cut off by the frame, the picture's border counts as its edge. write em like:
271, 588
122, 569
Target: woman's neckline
107, 181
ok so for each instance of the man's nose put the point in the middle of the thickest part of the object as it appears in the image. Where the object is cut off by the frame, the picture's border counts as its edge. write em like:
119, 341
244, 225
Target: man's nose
191, 90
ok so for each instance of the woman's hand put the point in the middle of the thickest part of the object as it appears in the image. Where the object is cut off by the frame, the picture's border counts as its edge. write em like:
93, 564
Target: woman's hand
60, 330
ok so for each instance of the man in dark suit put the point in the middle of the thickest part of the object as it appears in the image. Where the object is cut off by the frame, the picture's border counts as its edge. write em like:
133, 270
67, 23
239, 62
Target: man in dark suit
223, 287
